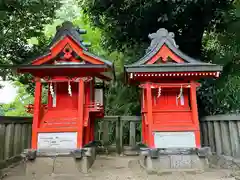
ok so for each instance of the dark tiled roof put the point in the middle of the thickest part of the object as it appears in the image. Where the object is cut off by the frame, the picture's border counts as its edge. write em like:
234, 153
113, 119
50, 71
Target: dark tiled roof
68, 29
163, 37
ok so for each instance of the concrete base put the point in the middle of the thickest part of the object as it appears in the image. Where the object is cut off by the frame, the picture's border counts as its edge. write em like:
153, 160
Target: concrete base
172, 160
48, 164
131, 151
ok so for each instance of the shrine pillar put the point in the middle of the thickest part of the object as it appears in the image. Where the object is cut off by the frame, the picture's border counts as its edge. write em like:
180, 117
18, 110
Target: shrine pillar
80, 113
193, 99
36, 115
149, 115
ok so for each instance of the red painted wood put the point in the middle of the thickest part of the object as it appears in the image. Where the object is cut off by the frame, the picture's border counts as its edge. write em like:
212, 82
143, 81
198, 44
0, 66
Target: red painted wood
72, 113
169, 76
164, 53
36, 115
57, 48
149, 115
80, 114
193, 97
165, 113
56, 130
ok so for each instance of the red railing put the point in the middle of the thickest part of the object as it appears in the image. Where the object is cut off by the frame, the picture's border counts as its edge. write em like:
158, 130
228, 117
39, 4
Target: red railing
93, 107
30, 108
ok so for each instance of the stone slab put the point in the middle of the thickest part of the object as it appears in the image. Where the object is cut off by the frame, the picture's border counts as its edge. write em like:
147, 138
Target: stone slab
172, 163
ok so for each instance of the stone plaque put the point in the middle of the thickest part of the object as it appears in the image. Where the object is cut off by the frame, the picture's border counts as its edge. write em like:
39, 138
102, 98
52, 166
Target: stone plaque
174, 140
66, 140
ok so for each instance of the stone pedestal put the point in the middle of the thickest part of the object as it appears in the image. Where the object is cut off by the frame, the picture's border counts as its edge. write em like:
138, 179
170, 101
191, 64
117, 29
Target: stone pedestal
49, 163
171, 160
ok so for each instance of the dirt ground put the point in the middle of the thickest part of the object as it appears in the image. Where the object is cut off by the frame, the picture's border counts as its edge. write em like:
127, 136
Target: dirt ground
124, 168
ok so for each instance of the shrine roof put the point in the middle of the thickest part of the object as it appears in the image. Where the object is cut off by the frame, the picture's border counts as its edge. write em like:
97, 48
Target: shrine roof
66, 54
164, 38
67, 29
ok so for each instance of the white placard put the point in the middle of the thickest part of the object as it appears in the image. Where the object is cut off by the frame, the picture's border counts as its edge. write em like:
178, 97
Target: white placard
66, 140
99, 96
174, 140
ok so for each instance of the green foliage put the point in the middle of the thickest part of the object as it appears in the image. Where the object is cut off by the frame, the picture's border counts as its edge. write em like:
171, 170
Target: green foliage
20, 21
222, 46
122, 100
17, 107
127, 22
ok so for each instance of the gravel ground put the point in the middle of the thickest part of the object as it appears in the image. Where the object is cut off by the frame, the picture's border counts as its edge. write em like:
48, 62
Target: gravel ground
124, 168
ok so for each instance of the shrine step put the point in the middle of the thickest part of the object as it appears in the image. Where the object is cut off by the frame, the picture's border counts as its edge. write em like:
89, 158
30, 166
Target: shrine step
173, 160
45, 164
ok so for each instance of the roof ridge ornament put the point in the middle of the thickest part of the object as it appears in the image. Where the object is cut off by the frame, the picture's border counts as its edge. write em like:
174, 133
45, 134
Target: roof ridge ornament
158, 36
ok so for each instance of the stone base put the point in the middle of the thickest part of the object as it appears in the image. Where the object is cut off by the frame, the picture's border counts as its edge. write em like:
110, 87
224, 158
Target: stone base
131, 151
224, 162
48, 164
172, 160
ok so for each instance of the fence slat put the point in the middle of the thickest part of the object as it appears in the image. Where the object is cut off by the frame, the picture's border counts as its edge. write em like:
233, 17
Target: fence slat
121, 134
118, 136
24, 134
132, 136
234, 138
8, 152
105, 133
205, 134
17, 140
29, 136
238, 127
2, 141
211, 135
225, 138
217, 136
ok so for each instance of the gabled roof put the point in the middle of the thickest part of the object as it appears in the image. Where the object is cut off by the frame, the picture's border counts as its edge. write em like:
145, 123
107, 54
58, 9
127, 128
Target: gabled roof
159, 40
67, 29
67, 36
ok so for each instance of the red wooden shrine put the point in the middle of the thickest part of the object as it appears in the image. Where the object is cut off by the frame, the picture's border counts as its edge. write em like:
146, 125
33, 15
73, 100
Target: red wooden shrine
71, 74
168, 79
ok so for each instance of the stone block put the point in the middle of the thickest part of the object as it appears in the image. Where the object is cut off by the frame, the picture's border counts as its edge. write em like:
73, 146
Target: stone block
204, 152
40, 166
65, 165
180, 161
164, 162
197, 163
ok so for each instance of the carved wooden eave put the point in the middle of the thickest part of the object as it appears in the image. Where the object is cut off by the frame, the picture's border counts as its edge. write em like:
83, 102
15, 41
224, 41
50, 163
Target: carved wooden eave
163, 58
66, 55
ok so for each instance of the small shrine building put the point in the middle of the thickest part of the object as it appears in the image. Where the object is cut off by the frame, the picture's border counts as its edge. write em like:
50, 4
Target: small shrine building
168, 79
72, 76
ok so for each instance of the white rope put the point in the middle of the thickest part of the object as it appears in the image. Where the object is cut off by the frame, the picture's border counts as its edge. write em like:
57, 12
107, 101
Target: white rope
180, 96
69, 88
51, 90
159, 92
181, 92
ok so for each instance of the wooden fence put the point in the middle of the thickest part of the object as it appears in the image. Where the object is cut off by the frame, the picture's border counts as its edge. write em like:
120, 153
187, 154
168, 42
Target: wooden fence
221, 133
15, 135
117, 132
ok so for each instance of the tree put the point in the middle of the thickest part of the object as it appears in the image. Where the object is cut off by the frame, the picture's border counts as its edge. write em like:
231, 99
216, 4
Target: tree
221, 44
17, 107
129, 22
20, 21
